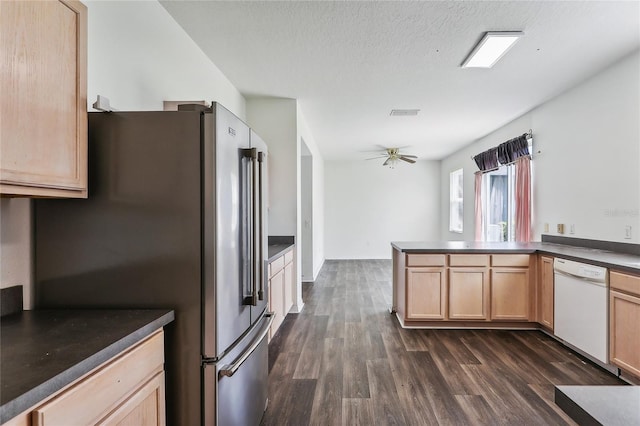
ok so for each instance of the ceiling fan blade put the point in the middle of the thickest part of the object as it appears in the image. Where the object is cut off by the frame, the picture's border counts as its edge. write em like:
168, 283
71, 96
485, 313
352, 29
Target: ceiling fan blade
408, 160
409, 156
386, 161
375, 158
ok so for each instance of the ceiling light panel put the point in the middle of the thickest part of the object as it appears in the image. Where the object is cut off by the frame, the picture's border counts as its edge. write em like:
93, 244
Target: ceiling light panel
492, 47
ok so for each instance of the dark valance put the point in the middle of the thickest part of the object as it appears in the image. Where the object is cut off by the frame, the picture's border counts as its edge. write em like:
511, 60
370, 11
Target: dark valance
505, 153
487, 160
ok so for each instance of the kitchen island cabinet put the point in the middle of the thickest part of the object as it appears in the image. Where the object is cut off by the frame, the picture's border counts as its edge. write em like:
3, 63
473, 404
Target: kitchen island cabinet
624, 322
83, 367
468, 286
43, 107
458, 290
511, 287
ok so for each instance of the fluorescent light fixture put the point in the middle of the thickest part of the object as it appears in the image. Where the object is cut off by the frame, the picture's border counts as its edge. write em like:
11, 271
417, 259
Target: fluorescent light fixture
492, 47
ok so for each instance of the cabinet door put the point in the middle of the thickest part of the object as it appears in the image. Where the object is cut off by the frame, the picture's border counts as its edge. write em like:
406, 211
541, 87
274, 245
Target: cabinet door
468, 293
146, 407
426, 293
546, 292
510, 294
624, 339
43, 107
276, 300
288, 288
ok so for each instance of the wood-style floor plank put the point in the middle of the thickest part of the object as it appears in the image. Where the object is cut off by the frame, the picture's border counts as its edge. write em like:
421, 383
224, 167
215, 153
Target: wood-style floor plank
344, 360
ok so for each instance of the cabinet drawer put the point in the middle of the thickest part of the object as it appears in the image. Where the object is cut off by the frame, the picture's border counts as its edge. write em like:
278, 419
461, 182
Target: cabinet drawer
275, 266
426, 260
288, 257
93, 397
468, 260
624, 282
510, 260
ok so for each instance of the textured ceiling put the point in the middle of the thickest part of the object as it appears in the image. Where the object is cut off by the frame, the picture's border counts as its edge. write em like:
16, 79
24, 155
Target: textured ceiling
349, 63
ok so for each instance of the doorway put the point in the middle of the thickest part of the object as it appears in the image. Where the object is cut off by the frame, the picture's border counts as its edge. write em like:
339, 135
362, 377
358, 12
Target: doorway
306, 238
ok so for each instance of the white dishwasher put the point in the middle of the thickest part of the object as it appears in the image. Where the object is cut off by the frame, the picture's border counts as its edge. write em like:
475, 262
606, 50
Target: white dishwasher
581, 301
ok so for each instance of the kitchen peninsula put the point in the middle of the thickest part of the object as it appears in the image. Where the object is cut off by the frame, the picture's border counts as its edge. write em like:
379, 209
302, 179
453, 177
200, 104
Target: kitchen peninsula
456, 284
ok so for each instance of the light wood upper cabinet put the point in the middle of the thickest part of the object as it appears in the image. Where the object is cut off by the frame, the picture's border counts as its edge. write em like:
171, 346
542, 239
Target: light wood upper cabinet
43, 106
546, 289
468, 293
510, 294
426, 293
624, 322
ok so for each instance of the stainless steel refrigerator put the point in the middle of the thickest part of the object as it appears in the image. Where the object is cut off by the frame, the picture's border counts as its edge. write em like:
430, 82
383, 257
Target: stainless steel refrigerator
176, 219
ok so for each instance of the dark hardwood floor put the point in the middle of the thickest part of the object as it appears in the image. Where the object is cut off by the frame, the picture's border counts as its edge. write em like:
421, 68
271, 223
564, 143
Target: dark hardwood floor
345, 360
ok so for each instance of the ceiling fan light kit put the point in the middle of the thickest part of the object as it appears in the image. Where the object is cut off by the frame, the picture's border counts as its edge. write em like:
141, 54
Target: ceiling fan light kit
392, 155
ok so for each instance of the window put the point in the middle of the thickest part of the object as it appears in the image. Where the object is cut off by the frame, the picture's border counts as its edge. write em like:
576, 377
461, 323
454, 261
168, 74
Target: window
455, 201
498, 207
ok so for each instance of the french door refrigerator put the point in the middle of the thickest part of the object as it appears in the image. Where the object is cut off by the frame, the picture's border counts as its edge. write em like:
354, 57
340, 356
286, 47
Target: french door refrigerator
175, 219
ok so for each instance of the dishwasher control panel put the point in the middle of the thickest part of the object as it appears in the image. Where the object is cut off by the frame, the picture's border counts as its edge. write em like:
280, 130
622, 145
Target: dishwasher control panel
580, 270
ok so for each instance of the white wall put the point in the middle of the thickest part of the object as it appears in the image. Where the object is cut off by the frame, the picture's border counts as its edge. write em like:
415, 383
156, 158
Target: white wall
368, 206
318, 196
588, 169
282, 125
274, 119
138, 56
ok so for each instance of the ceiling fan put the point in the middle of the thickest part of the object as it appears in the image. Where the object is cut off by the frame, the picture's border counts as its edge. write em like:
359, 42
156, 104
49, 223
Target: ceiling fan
392, 156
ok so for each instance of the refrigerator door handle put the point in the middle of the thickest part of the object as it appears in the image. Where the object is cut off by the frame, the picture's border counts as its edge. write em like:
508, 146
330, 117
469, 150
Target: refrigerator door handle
229, 370
260, 260
252, 299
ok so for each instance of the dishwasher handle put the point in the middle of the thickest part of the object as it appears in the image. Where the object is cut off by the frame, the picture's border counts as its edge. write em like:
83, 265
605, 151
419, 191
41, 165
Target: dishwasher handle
585, 280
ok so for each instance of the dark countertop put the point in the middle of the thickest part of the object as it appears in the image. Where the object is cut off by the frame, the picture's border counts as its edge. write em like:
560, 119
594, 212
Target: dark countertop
277, 250
43, 351
606, 405
607, 259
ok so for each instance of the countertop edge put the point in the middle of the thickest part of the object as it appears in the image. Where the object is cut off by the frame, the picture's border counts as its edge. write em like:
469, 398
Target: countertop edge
280, 252
564, 252
43, 391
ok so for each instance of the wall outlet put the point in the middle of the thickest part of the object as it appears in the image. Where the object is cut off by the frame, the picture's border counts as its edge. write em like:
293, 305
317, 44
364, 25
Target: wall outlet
627, 232
546, 227
572, 229
560, 228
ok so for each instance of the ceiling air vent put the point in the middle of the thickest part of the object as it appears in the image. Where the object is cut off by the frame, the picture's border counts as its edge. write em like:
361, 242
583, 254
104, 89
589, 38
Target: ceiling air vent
404, 112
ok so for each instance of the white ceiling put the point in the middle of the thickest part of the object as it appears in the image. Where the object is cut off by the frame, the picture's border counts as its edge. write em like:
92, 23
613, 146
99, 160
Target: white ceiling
349, 63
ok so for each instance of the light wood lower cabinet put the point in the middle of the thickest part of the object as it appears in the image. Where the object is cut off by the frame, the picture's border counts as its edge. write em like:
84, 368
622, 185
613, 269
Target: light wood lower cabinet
624, 322
276, 299
545, 313
468, 293
426, 293
464, 287
127, 390
510, 294
281, 273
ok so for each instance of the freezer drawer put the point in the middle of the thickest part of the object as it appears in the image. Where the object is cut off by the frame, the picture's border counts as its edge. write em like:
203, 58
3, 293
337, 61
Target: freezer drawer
235, 391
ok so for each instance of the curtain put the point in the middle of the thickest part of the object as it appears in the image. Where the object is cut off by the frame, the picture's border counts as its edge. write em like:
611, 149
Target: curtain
523, 199
487, 160
511, 150
505, 153
478, 207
